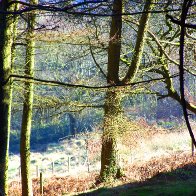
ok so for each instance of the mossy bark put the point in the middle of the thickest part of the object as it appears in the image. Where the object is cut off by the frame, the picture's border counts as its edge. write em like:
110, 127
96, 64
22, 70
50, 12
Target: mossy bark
109, 166
6, 41
27, 109
140, 42
171, 90
113, 114
112, 121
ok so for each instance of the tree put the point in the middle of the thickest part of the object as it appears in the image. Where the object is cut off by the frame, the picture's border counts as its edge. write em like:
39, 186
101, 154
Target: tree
28, 106
6, 37
112, 109
115, 83
185, 8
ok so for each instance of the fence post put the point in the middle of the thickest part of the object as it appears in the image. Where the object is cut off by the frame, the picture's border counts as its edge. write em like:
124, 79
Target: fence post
193, 148
52, 167
41, 184
68, 164
37, 171
19, 172
88, 163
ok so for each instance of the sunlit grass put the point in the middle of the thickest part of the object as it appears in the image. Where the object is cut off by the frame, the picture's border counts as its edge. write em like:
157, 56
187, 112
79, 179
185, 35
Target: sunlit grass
135, 146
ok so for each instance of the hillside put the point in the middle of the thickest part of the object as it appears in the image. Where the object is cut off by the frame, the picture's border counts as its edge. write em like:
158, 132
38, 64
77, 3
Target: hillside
154, 156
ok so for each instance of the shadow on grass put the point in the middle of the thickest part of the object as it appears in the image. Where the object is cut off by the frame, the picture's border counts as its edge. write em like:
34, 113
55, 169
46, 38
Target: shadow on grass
179, 182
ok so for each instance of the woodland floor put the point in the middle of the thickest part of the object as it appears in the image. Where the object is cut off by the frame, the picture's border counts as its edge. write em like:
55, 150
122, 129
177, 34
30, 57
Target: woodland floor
167, 175
156, 162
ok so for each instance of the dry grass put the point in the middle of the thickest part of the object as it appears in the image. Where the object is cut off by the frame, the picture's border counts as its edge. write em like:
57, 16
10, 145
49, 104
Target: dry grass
57, 186
145, 152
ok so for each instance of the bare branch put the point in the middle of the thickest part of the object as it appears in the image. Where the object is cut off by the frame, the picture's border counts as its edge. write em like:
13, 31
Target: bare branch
192, 26
185, 9
52, 7
97, 64
58, 83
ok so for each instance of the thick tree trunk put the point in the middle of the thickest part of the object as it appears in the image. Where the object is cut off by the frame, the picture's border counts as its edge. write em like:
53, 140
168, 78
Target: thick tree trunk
6, 40
112, 123
113, 117
27, 110
112, 109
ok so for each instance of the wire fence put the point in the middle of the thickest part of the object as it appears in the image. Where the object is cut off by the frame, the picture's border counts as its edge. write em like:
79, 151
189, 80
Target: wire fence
82, 154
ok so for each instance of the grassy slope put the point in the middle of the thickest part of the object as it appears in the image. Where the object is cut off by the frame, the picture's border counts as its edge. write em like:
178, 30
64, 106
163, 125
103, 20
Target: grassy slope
156, 162
180, 182
175, 188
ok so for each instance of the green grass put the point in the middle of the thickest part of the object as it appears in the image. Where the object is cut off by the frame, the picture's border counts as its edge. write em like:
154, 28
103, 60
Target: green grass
179, 182
178, 188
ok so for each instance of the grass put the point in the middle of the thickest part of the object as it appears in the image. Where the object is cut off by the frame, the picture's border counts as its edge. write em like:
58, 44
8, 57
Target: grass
57, 153
178, 182
152, 152
146, 144
178, 179
178, 188
175, 189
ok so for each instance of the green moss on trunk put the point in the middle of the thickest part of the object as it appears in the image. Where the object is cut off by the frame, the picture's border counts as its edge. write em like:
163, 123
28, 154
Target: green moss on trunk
112, 121
27, 109
113, 118
6, 37
141, 37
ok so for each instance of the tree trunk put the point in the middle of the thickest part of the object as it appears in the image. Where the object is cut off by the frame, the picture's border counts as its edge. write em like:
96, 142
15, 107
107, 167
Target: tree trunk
112, 121
139, 46
113, 117
27, 109
112, 109
72, 124
115, 44
6, 40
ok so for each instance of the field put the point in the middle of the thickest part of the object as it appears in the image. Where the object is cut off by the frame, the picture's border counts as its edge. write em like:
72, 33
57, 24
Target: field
154, 156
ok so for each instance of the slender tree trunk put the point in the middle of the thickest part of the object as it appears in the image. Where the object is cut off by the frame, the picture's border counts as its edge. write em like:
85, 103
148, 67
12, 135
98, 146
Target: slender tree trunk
27, 109
185, 8
115, 44
6, 40
139, 46
72, 124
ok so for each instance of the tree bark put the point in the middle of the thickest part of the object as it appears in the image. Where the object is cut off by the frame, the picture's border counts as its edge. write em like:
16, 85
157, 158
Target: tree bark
113, 114
112, 121
115, 43
109, 167
170, 87
6, 40
141, 37
185, 8
27, 108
